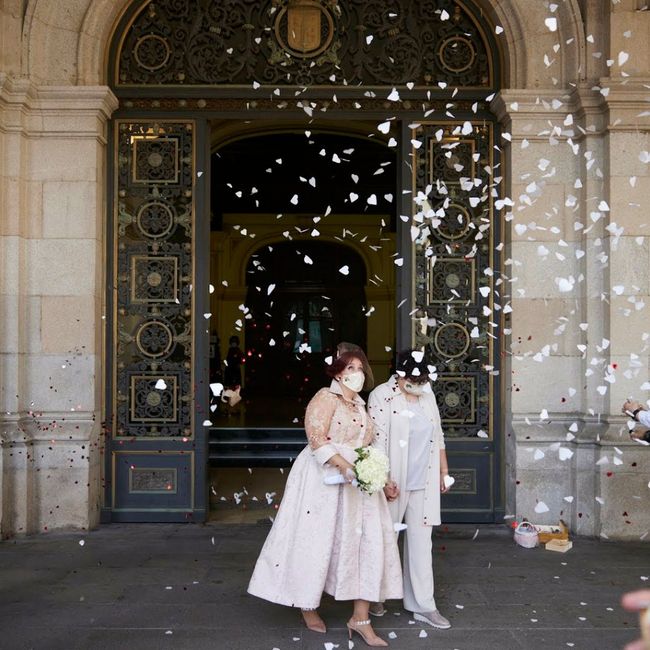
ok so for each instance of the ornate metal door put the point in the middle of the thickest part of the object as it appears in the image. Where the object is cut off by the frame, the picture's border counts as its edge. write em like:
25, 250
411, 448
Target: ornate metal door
455, 277
154, 428
243, 60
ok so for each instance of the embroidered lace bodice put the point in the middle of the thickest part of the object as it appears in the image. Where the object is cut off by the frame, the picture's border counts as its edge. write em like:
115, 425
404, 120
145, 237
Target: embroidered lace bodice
330, 418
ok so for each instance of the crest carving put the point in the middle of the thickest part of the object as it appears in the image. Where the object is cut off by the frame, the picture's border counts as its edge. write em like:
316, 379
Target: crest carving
305, 28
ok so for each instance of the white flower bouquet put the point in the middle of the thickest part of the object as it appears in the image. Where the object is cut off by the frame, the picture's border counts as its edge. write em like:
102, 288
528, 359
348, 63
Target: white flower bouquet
370, 471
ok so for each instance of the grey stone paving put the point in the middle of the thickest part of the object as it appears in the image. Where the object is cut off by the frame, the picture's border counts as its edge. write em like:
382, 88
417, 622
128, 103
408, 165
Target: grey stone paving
147, 586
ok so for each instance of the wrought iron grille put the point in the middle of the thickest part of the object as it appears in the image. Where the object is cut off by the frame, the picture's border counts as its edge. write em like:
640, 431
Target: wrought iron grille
153, 307
304, 43
454, 261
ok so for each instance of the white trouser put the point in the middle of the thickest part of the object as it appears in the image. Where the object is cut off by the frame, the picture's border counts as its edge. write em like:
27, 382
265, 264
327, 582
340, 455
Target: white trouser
418, 560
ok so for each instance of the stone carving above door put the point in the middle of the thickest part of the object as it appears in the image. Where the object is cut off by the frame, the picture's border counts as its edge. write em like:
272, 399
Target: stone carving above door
304, 43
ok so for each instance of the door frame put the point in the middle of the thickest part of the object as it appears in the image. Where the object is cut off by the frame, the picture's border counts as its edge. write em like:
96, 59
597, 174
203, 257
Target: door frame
405, 278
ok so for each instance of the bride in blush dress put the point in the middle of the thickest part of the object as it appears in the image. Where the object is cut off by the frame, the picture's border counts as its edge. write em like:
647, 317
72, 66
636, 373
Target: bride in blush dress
332, 538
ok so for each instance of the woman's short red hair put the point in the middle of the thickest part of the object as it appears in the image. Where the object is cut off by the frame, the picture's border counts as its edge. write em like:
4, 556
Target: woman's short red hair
341, 362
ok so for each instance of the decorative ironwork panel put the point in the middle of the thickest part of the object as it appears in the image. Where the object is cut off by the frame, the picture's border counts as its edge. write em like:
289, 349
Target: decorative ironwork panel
454, 269
152, 480
154, 241
464, 481
456, 397
305, 42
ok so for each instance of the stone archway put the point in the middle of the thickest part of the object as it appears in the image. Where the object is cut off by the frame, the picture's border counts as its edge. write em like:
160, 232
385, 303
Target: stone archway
81, 60
154, 66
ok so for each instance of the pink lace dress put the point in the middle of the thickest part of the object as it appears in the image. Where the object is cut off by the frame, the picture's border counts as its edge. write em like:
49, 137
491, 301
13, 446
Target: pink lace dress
329, 538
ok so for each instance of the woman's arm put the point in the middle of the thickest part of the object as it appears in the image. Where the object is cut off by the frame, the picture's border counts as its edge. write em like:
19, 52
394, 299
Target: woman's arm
344, 466
444, 471
318, 419
438, 432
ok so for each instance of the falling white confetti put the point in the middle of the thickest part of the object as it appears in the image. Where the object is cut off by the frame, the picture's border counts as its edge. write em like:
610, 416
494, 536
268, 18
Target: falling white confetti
551, 23
394, 96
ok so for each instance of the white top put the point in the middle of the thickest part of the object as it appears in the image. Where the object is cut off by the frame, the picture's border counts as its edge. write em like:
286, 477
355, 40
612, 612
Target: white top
420, 430
387, 407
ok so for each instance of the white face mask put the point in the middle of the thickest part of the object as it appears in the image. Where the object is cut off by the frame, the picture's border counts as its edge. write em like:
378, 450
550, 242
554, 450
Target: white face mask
414, 389
354, 381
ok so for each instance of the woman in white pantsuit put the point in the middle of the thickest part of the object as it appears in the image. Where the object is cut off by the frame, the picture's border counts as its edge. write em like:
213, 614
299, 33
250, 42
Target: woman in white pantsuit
405, 414
331, 538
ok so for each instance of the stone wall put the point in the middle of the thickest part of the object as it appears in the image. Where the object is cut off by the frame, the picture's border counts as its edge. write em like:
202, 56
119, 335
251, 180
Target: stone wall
51, 289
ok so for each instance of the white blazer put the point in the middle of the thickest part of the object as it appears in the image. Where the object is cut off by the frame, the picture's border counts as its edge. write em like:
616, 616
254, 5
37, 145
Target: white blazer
387, 406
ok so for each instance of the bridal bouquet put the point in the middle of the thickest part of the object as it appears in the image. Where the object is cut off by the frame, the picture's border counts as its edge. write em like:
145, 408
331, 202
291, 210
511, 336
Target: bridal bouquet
370, 471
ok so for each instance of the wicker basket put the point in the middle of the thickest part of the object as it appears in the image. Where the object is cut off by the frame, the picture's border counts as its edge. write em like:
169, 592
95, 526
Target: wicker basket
526, 535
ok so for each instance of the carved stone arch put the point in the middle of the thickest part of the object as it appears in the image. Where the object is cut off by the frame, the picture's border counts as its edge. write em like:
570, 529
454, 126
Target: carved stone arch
258, 244
521, 32
81, 38
69, 47
224, 133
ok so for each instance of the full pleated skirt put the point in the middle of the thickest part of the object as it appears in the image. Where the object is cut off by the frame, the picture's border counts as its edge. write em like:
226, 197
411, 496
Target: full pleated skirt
327, 538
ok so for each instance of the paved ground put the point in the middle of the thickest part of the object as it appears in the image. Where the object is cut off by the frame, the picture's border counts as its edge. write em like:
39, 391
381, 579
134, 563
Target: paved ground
184, 586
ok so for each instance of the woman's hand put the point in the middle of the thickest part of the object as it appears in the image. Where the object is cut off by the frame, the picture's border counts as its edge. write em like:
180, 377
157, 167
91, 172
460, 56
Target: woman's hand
346, 469
443, 486
391, 491
637, 601
632, 405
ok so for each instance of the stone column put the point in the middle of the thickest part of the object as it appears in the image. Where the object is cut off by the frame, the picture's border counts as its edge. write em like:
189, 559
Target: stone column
580, 344
53, 176
625, 465
543, 257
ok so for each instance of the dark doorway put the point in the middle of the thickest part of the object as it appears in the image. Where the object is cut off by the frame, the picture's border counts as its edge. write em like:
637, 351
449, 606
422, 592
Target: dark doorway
306, 172
296, 327
323, 205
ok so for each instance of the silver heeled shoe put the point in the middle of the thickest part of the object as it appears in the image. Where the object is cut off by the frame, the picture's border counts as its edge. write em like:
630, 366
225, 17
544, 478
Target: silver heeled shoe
356, 626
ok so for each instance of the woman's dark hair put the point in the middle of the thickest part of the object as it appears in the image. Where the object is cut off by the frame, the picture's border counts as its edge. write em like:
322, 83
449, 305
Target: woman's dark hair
341, 362
406, 366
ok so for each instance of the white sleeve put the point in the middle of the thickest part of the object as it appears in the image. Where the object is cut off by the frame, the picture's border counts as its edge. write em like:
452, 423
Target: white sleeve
644, 418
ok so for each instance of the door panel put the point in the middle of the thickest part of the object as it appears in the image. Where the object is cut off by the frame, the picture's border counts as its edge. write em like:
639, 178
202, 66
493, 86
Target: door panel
459, 319
154, 439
